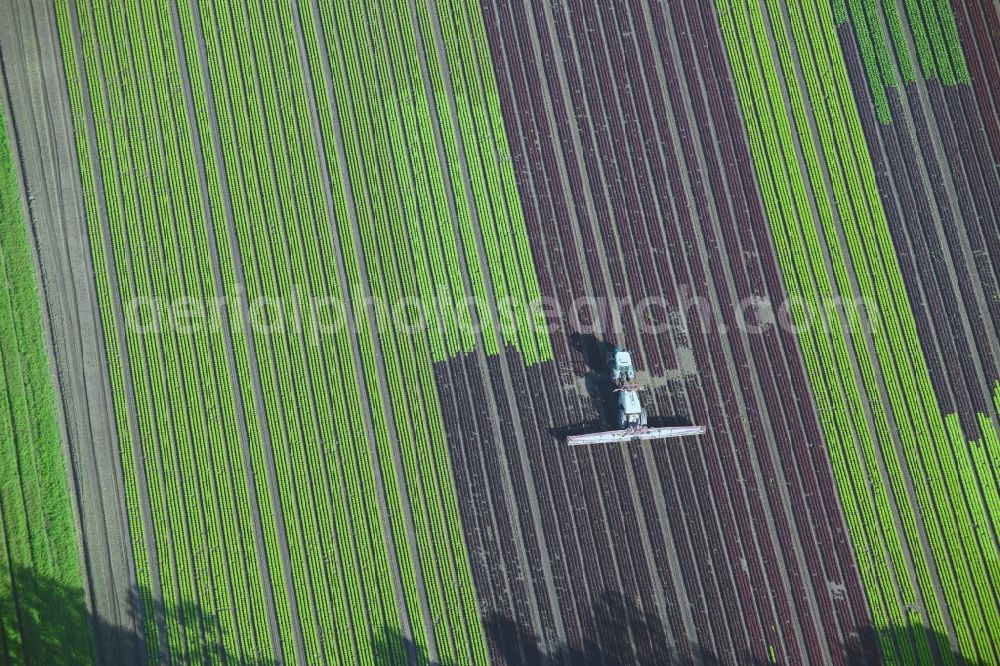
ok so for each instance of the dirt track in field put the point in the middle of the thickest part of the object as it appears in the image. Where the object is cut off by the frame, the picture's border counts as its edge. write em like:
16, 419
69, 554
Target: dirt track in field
41, 134
636, 183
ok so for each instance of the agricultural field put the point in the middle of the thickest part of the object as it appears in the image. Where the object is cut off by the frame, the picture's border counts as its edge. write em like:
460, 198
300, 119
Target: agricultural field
302, 299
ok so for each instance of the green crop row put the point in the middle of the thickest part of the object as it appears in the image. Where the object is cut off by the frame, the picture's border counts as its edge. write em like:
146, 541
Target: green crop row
375, 134
201, 253
344, 245
787, 198
226, 195
880, 418
490, 172
935, 37
36, 514
187, 463
155, 234
223, 452
276, 229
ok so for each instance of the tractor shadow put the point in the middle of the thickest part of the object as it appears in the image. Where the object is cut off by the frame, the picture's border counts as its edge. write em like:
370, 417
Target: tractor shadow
600, 389
669, 421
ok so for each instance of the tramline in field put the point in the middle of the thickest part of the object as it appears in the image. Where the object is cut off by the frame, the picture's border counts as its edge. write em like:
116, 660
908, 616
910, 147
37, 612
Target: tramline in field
633, 422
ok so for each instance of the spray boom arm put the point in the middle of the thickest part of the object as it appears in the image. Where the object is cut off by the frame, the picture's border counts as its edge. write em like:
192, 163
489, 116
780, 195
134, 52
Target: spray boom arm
634, 435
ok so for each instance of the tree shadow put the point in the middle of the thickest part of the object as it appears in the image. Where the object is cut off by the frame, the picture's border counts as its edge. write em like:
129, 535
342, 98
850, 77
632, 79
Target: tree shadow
626, 635
44, 621
207, 625
391, 647
868, 646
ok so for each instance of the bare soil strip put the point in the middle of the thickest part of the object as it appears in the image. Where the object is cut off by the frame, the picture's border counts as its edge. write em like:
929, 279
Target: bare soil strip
41, 129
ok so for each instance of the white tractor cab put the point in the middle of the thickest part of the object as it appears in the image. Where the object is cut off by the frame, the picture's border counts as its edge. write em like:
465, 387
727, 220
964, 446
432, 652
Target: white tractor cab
621, 366
631, 415
630, 412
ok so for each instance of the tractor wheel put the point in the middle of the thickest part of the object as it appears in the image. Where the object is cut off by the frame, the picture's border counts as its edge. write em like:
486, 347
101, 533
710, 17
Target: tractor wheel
622, 420
643, 419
